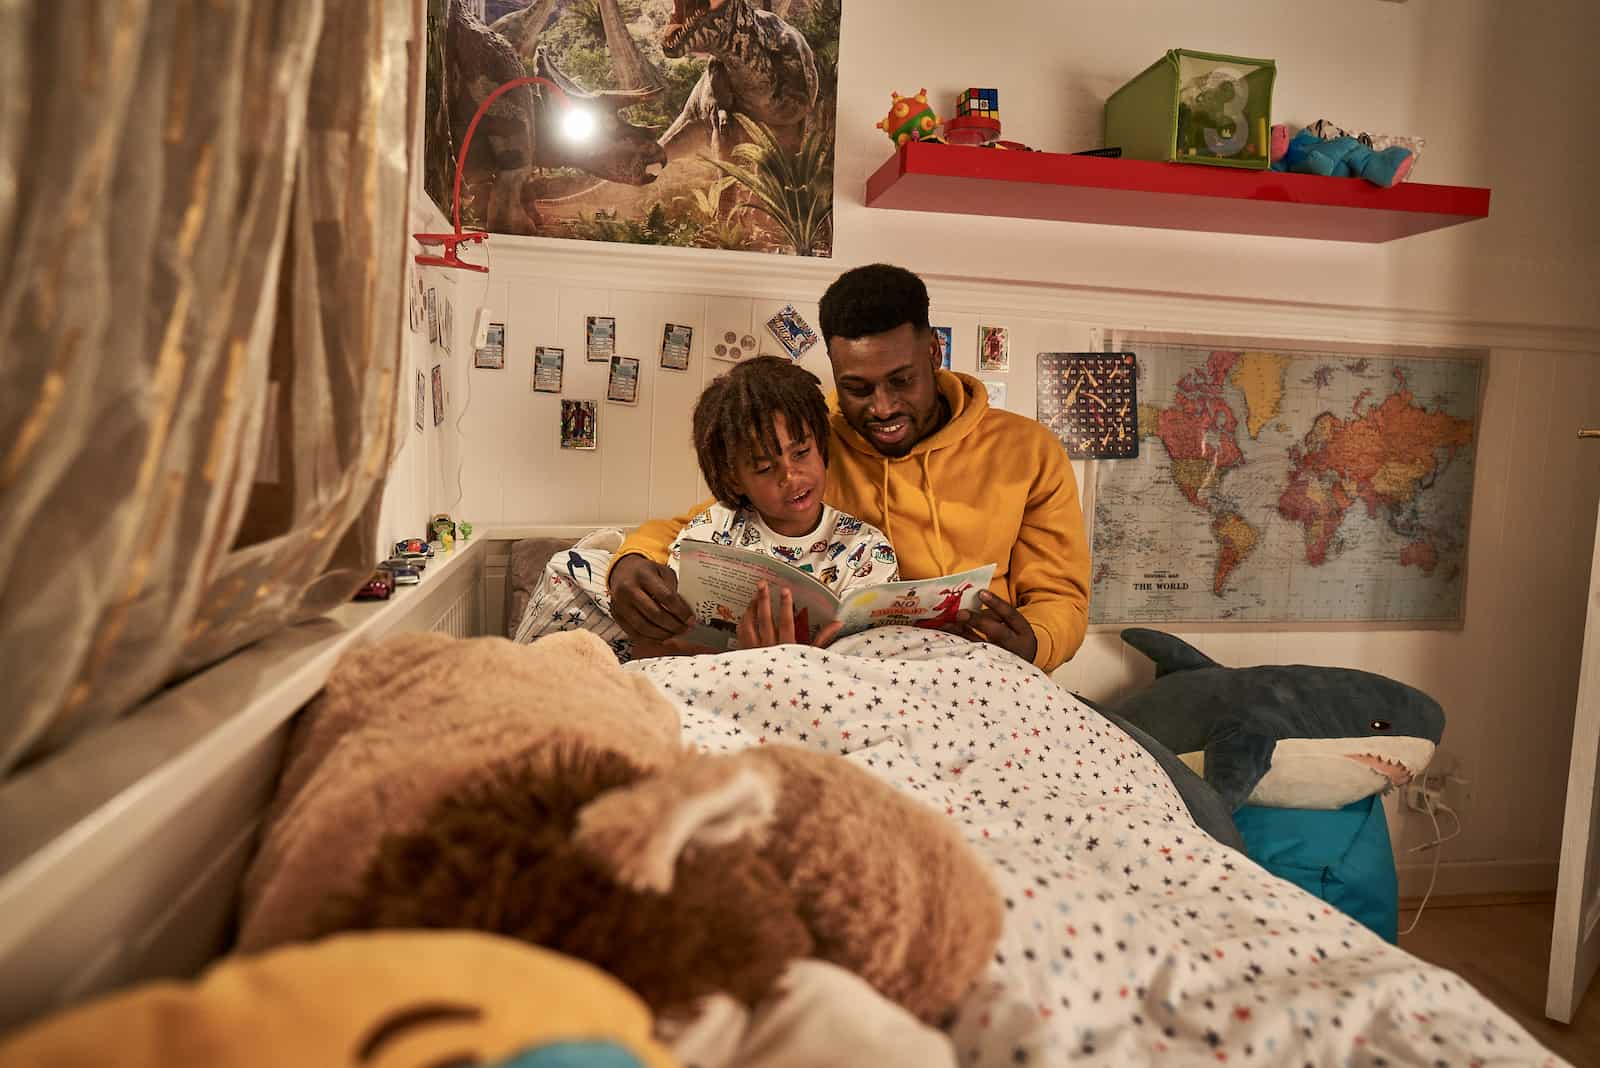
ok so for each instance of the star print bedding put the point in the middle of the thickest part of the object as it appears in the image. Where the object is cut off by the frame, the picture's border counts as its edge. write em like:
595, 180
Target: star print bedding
1131, 936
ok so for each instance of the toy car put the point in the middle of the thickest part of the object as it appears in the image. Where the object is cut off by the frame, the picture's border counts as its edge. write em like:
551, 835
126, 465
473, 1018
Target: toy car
412, 547
377, 588
400, 572
415, 563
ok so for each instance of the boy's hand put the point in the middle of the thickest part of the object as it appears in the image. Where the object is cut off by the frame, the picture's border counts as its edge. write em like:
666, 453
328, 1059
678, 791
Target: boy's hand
997, 622
758, 629
645, 601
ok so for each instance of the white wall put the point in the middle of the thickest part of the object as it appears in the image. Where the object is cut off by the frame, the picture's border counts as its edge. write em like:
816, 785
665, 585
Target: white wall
1495, 89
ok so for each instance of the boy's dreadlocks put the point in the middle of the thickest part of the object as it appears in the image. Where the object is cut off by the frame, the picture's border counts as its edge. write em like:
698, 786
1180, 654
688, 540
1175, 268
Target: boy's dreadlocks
735, 417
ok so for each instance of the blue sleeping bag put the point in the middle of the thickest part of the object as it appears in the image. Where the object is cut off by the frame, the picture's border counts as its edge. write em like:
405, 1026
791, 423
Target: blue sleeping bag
1342, 856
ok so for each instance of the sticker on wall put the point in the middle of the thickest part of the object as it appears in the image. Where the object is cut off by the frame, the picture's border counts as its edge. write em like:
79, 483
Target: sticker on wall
994, 350
493, 353
415, 305
945, 336
997, 393
1090, 401
602, 335
579, 424
447, 326
733, 347
675, 342
547, 367
623, 386
438, 394
432, 302
421, 404
792, 332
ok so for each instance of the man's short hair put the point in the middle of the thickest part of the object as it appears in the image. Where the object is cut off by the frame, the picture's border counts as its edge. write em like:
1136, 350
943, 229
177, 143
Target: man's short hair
873, 299
736, 416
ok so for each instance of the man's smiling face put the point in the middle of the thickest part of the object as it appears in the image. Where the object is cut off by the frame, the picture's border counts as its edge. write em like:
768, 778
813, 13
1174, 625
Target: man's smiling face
887, 391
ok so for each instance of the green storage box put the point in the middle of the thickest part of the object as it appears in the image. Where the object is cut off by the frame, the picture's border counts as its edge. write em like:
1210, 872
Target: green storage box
1196, 107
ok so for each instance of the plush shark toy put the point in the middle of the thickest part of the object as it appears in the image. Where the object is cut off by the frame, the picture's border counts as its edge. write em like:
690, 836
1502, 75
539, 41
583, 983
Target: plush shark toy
1282, 736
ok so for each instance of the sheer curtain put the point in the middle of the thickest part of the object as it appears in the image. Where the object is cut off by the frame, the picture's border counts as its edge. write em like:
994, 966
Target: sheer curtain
204, 206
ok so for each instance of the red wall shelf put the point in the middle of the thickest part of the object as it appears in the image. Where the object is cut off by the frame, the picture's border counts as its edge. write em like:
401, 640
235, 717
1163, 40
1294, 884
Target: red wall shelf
958, 179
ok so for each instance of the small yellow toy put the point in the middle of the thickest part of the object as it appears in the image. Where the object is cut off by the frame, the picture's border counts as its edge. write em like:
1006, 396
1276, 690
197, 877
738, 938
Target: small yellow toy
910, 118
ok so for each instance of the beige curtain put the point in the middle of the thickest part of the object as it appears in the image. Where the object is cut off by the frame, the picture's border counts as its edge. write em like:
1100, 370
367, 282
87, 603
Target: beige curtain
204, 207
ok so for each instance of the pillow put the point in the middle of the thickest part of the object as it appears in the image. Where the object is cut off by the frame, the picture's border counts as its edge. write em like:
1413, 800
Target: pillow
1342, 856
524, 572
571, 594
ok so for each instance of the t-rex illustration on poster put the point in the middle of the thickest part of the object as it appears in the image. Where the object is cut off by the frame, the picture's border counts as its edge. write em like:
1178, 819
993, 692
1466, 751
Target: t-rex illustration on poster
704, 123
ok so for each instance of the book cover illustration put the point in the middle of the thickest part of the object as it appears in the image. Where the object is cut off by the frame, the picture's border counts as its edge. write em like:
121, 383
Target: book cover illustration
719, 582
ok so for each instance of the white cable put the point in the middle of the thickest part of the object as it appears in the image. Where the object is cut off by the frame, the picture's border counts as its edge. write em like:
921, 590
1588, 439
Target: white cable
1439, 838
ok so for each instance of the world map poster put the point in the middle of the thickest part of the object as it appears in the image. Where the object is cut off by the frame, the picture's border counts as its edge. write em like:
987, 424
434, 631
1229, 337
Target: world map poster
1289, 485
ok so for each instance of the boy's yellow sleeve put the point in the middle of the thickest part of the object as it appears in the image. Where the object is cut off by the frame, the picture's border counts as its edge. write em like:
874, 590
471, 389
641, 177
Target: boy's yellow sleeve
1050, 562
654, 537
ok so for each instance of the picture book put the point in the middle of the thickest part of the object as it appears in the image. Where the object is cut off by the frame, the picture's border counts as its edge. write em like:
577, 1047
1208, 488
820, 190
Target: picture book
719, 582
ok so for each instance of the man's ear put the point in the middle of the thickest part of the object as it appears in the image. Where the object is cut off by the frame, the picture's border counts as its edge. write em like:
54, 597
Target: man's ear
935, 357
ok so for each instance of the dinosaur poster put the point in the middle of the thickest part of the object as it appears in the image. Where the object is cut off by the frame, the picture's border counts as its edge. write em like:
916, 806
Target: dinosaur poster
701, 123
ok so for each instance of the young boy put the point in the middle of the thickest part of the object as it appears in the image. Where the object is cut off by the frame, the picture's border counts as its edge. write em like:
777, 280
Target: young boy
761, 437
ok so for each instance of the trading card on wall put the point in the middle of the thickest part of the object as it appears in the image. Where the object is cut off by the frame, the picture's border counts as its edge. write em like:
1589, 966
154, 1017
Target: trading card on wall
733, 346
675, 342
414, 303
432, 309
602, 335
447, 326
997, 393
421, 403
792, 332
623, 386
945, 336
493, 353
438, 394
994, 349
578, 424
1090, 401
547, 367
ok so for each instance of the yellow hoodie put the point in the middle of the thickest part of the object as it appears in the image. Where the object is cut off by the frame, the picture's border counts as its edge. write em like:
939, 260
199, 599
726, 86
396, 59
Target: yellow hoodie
987, 487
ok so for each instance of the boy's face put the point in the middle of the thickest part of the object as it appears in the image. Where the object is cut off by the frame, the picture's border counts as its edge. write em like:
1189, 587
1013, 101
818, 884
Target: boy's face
886, 386
786, 489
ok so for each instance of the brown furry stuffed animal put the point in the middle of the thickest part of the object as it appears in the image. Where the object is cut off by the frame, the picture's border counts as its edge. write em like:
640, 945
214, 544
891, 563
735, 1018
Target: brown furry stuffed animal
586, 828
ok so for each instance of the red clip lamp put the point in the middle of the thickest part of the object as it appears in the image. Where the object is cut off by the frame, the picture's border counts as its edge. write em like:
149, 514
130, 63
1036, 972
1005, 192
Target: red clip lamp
450, 242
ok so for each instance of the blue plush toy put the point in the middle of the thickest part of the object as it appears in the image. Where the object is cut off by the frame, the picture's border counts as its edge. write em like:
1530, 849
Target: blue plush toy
1293, 760
1290, 736
1345, 157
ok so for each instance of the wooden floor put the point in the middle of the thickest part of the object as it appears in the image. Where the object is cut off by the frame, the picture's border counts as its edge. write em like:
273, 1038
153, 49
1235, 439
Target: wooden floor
1504, 951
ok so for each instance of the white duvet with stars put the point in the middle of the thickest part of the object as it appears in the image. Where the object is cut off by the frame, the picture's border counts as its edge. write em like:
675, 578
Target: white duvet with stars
1131, 936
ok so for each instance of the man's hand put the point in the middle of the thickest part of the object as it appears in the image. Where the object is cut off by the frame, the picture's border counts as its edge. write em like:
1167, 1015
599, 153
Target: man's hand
645, 600
997, 622
758, 629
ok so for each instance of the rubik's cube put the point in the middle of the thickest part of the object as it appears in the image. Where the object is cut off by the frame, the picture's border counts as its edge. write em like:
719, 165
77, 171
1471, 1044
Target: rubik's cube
980, 102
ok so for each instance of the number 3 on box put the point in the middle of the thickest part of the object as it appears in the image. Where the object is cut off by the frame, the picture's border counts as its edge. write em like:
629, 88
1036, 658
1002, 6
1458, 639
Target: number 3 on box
1233, 110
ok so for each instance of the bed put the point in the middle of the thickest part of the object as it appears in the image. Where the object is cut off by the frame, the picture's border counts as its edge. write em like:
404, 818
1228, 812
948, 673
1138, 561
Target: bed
1131, 937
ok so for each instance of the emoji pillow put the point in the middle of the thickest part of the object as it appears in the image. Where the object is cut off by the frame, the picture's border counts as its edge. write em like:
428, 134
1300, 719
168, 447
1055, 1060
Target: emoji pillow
389, 1000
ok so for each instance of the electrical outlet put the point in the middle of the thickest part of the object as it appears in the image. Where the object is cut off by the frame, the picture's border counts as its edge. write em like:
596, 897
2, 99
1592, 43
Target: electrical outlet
1417, 793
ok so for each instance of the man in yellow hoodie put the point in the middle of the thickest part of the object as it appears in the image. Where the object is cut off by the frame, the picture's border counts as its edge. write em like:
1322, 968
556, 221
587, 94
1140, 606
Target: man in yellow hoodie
918, 453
